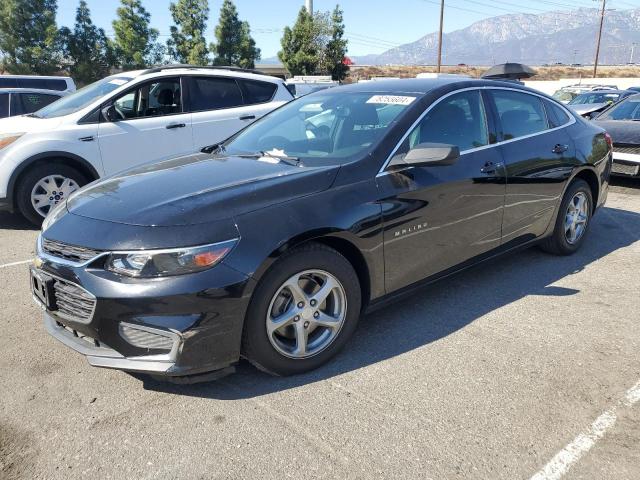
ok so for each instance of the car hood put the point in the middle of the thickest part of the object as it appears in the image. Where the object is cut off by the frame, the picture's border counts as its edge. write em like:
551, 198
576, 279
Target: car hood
622, 131
582, 109
197, 189
26, 124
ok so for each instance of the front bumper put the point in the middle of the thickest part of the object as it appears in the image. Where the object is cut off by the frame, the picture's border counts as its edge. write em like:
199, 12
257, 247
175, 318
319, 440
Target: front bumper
174, 326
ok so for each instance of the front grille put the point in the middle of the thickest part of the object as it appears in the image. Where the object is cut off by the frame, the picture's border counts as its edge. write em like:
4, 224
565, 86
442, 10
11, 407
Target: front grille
145, 339
73, 302
635, 149
625, 168
65, 251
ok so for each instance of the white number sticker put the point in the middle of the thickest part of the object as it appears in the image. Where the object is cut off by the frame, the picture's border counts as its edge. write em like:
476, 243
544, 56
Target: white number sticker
391, 99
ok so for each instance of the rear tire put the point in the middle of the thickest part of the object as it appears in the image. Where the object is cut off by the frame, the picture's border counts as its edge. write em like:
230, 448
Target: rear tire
280, 313
572, 223
44, 186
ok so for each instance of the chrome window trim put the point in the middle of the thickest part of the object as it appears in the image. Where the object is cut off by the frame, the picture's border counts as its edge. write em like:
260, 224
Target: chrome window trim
572, 120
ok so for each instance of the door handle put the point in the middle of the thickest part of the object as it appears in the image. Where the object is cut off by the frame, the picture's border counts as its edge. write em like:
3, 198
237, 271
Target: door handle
248, 117
559, 148
175, 125
491, 167
87, 139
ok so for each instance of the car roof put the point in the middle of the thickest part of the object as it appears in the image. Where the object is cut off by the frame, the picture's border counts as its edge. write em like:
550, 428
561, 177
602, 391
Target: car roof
605, 92
172, 70
425, 85
59, 93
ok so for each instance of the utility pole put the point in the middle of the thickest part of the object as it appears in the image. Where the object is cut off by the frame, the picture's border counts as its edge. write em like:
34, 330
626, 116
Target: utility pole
440, 36
595, 64
633, 47
309, 6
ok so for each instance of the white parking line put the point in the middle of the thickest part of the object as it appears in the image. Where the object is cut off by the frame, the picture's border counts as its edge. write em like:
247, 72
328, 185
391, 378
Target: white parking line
13, 264
562, 462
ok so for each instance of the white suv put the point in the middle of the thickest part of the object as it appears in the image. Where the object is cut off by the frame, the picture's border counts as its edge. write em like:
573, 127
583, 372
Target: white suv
122, 121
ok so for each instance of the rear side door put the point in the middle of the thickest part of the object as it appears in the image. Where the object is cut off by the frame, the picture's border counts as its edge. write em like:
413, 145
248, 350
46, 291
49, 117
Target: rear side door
217, 109
152, 125
538, 155
438, 217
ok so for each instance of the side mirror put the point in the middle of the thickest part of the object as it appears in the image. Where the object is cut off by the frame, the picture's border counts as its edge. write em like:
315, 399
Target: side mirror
109, 113
429, 155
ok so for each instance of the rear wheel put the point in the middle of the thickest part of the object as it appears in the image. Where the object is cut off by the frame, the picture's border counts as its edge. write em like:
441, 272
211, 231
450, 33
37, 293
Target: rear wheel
43, 187
573, 220
303, 311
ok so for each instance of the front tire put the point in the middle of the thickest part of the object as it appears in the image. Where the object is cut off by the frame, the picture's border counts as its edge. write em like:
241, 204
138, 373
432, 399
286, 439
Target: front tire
305, 308
43, 187
572, 223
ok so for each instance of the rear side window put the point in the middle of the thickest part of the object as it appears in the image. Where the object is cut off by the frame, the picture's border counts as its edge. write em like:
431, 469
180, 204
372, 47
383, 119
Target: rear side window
556, 115
7, 82
520, 114
213, 93
44, 83
257, 92
23, 103
4, 105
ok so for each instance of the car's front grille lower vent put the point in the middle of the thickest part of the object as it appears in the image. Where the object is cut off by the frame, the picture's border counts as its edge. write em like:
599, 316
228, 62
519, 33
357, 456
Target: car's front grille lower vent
73, 253
627, 149
72, 302
144, 339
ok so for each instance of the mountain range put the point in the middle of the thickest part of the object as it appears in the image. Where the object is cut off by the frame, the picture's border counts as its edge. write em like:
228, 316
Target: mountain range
550, 37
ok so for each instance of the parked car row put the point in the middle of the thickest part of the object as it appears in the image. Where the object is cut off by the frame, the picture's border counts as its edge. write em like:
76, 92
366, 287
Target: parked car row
122, 121
269, 244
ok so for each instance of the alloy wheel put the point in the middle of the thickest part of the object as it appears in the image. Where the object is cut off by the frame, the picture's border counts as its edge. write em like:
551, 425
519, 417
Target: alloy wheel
576, 218
306, 314
51, 190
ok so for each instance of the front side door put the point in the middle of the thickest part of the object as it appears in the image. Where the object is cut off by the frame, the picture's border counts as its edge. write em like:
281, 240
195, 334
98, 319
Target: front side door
151, 126
539, 156
438, 217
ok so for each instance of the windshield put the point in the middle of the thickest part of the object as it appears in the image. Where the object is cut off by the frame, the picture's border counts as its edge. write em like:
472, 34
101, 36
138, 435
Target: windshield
628, 109
595, 97
81, 98
329, 124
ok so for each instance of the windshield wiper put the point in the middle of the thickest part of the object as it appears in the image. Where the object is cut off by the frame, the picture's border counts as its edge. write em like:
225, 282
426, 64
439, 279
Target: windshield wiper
32, 115
215, 148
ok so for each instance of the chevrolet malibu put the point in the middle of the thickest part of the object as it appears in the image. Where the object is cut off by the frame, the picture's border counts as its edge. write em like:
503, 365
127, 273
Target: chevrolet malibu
272, 244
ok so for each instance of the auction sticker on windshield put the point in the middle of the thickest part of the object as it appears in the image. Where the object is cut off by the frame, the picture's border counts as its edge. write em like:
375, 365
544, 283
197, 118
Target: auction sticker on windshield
391, 99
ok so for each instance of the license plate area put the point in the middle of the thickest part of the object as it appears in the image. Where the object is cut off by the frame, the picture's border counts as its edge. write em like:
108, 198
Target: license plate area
42, 289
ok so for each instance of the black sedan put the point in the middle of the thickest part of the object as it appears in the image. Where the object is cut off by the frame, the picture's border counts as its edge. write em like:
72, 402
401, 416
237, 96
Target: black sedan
622, 122
271, 245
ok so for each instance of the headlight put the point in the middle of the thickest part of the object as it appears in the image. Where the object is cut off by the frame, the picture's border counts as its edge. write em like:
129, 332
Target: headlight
161, 263
7, 139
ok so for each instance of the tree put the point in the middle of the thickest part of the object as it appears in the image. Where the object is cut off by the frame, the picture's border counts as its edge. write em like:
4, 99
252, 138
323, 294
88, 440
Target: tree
135, 42
86, 48
187, 43
300, 53
234, 44
29, 40
336, 49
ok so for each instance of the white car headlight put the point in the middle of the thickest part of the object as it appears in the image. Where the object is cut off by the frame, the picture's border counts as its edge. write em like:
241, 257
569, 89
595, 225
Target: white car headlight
161, 263
7, 139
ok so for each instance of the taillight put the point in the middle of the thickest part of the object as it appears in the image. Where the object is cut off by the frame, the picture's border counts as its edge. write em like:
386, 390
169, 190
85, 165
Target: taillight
608, 139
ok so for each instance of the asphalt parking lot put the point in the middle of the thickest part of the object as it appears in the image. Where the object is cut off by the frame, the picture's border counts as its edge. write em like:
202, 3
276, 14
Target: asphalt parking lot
525, 368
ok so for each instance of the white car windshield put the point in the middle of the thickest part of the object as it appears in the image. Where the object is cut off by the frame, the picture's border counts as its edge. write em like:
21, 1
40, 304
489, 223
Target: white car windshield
330, 124
81, 98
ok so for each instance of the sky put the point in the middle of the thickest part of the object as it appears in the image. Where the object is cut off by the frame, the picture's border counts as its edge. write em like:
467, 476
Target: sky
372, 26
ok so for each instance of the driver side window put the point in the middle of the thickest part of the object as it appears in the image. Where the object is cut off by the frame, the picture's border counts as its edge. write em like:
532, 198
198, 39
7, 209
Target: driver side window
152, 99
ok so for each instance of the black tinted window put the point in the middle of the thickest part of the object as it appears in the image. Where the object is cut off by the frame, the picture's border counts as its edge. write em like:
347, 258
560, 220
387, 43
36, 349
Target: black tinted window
211, 93
520, 113
257, 92
22, 103
457, 120
556, 115
4, 105
7, 82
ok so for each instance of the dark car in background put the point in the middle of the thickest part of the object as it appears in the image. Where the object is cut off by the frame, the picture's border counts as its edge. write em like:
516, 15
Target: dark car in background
272, 244
590, 104
622, 122
22, 101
